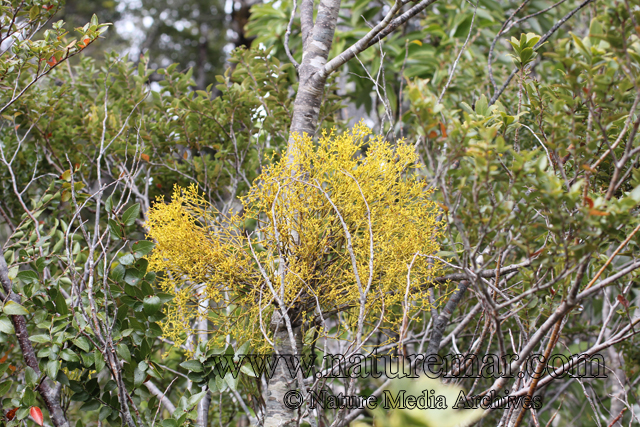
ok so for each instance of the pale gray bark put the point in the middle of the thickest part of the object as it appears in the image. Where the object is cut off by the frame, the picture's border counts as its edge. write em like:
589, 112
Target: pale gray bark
311, 72
203, 337
169, 406
203, 410
282, 381
318, 39
306, 20
616, 379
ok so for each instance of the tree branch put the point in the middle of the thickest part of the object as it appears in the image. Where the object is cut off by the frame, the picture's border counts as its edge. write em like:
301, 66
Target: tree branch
169, 406
361, 44
457, 277
544, 38
440, 324
288, 33
401, 20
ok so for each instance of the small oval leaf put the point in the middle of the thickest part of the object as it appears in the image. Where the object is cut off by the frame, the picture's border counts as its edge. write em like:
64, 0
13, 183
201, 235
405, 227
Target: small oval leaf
14, 309
36, 414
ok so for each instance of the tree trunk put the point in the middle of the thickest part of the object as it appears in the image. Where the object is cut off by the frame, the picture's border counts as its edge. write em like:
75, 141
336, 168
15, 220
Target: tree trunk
306, 107
317, 43
277, 414
201, 63
239, 18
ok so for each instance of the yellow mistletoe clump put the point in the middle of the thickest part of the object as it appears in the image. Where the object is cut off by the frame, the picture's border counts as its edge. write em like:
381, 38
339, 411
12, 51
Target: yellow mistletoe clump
340, 228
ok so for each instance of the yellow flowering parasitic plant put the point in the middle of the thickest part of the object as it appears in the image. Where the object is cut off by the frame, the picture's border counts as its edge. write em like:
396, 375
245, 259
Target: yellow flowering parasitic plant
340, 228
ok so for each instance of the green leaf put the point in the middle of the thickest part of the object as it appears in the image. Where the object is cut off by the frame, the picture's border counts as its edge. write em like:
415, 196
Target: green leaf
108, 204
482, 105
141, 265
4, 387
40, 339
34, 12
40, 264
80, 396
142, 247
526, 54
152, 305
579, 43
69, 355
117, 274
29, 398
90, 406
213, 385
62, 378
466, 107
130, 215
28, 276
515, 44
52, 368
61, 305
445, 254
98, 361
463, 27
532, 39
248, 370
14, 309
523, 41
105, 411
133, 276
127, 259
30, 376
82, 343
195, 377
123, 351
220, 383
6, 326
146, 289
193, 400
233, 382
138, 377
114, 227
23, 412
192, 365
88, 360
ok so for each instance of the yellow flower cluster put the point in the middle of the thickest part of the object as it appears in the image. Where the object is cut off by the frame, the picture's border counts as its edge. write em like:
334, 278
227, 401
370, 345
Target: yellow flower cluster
336, 225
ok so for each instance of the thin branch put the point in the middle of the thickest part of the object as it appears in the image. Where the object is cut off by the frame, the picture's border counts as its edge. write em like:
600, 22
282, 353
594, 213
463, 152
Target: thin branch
288, 33
161, 397
455, 63
544, 38
363, 43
